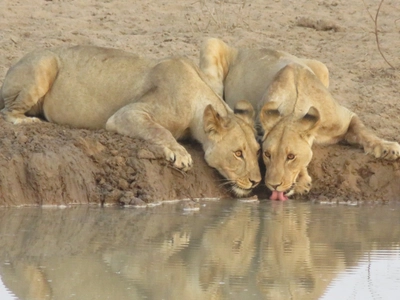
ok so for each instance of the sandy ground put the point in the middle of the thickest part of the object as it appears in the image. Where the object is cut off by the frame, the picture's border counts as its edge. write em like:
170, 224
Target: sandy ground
51, 164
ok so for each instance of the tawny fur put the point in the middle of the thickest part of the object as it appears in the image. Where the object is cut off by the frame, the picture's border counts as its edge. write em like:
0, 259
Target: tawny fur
293, 109
158, 101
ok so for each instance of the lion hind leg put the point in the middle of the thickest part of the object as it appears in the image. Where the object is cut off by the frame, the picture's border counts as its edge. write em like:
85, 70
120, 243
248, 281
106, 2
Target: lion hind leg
215, 59
39, 287
19, 105
320, 70
357, 133
26, 83
139, 124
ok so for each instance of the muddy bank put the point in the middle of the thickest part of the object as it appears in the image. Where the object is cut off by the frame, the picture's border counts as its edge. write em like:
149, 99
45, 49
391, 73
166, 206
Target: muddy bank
43, 164
342, 173
51, 164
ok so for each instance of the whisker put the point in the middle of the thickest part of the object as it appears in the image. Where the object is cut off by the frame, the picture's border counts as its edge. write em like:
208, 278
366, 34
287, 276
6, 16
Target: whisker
225, 183
232, 190
224, 179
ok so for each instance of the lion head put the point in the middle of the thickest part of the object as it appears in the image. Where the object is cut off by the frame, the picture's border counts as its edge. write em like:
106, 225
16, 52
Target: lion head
287, 149
232, 148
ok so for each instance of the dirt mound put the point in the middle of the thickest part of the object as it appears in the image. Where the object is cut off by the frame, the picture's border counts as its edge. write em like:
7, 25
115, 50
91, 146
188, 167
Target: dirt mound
51, 164
43, 164
345, 175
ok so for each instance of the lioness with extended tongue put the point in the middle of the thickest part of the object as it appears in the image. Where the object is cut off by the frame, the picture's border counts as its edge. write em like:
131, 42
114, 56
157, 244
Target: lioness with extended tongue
294, 109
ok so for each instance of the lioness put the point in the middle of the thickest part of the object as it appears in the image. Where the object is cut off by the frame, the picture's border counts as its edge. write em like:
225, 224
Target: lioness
158, 101
293, 107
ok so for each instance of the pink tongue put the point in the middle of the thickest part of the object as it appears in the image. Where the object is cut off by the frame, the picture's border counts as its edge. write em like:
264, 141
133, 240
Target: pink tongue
278, 196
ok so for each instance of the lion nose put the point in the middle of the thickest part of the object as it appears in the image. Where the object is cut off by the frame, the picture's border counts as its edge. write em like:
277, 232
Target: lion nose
275, 186
254, 183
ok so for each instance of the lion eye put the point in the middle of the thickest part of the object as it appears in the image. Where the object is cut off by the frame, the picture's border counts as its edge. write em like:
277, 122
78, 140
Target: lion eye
290, 156
238, 153
267, 154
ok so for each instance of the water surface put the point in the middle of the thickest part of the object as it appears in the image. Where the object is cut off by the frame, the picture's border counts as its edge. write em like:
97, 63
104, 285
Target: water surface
226, 250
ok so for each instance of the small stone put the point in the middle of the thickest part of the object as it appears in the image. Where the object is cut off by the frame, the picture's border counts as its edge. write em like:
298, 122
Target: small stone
145, 154
123, 184
190, 205
249, 199
137, 202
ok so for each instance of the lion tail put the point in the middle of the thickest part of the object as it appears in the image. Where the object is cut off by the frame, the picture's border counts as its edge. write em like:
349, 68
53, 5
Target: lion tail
1, 99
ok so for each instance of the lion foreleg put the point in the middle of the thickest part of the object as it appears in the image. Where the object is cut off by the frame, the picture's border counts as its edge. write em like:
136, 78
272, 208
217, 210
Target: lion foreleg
139, 124
357, 133
302, 185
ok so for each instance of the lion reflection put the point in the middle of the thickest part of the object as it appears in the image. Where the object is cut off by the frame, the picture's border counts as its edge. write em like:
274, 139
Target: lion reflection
227, 250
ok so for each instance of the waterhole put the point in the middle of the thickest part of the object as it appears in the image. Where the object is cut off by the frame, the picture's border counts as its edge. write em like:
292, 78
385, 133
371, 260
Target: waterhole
224, 250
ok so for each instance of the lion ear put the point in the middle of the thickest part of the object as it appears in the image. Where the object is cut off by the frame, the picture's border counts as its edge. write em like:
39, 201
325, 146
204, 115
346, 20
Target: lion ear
244, 110
214, 124
270, 116
310, 121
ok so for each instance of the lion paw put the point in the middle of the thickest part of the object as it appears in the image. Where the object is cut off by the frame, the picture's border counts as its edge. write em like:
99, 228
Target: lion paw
386, 150
20, 120
302, 186
27, 120
179, 157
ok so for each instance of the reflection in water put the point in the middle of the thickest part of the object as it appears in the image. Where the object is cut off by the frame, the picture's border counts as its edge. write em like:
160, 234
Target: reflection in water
376, 277
5, 294
227, 250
